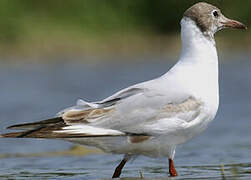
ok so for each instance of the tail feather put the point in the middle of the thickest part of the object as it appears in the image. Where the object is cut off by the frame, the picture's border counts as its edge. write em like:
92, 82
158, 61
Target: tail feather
11, 135
61, 130
50, 134
56, 128
40, 129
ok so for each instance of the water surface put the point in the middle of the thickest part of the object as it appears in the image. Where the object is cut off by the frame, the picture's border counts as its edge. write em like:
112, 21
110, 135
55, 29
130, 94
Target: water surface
31, 92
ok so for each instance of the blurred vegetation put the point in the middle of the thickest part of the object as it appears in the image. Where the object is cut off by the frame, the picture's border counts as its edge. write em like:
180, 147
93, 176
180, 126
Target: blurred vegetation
31, 26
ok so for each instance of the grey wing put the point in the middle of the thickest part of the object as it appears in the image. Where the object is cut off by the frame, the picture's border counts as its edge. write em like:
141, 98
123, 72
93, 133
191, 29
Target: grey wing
136, 104
85, 112
128, 112
121, 95
75, 121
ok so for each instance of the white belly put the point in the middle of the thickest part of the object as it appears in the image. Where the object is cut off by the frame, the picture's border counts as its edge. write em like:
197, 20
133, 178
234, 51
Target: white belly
155, 146
168, 133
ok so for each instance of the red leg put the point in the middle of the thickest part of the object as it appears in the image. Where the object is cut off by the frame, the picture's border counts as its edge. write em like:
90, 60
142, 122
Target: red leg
172, 169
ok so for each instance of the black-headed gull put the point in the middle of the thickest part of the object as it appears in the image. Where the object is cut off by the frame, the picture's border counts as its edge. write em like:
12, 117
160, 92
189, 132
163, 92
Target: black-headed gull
153, 117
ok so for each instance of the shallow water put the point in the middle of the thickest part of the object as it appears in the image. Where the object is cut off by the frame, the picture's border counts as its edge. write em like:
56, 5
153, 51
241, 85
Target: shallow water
32, 92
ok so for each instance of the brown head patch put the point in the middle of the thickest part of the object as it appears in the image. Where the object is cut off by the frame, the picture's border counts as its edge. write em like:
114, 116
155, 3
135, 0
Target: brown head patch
201, 14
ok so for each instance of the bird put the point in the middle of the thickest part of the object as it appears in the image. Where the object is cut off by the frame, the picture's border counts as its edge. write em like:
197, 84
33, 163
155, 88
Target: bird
153, 117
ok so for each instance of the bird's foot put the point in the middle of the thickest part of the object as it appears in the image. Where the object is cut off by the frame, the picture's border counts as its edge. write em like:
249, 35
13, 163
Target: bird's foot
172, 169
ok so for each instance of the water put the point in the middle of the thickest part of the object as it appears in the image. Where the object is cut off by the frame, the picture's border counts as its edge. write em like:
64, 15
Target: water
31, 92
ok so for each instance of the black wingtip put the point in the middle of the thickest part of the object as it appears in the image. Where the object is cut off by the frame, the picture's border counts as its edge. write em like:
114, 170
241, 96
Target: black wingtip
34, 125
24, 126
14, 126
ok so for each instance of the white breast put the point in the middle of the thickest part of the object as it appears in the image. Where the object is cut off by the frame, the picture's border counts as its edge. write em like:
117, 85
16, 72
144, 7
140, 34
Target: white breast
197, 73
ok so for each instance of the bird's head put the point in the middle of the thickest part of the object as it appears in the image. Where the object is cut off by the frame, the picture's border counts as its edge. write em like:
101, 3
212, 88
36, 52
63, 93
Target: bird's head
209, 18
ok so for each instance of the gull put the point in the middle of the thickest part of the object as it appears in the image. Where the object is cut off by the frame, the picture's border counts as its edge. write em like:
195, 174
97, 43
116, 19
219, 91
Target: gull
153, 117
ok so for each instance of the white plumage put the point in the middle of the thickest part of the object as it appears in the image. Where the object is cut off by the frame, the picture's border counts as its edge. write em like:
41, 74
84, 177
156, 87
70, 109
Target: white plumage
172, 108
153, 117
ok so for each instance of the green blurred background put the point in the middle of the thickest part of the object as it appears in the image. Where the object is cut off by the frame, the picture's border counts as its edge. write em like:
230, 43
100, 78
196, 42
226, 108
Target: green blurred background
53, 52
49, 28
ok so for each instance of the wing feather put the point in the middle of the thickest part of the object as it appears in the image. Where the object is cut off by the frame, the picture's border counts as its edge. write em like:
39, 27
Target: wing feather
34, 125
85, 116
125, 112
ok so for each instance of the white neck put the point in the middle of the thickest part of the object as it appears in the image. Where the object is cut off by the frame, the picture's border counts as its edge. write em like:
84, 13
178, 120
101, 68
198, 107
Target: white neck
196, 46
197, 68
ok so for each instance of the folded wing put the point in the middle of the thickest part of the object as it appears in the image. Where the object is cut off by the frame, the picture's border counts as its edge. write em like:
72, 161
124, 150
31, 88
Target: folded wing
126, 113
74, 121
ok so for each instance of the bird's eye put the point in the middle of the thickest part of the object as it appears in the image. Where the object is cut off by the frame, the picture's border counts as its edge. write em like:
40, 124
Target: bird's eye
215, 13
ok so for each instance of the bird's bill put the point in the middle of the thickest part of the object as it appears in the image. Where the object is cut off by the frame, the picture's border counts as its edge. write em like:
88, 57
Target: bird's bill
229, 23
